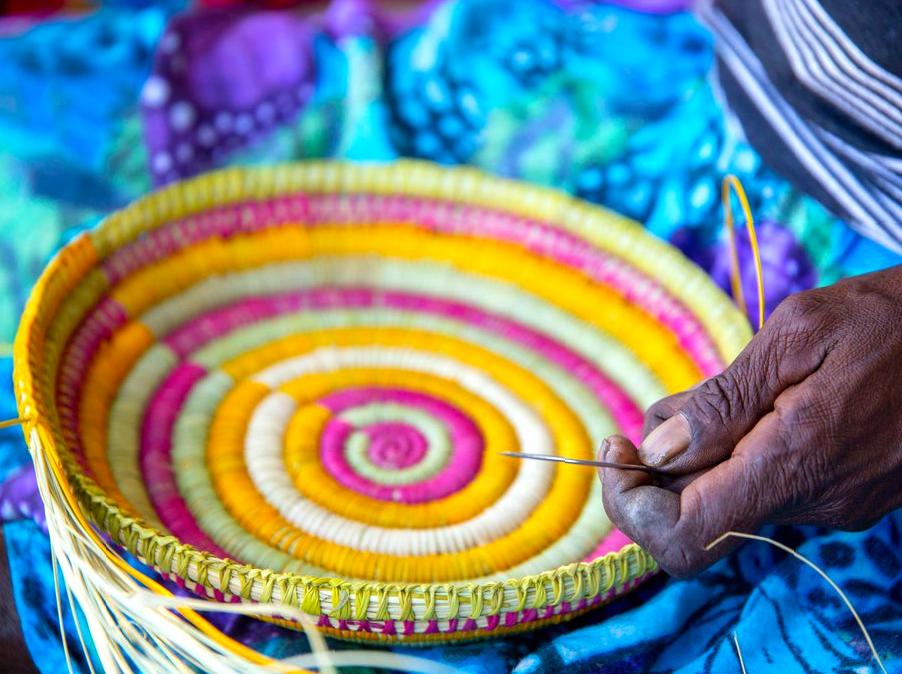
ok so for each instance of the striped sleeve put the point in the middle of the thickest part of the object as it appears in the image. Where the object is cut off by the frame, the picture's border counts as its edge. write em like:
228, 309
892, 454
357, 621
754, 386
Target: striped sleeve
816, 86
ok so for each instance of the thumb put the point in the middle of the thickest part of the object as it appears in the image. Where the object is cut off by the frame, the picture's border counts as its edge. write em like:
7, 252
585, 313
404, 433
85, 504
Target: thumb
707, 422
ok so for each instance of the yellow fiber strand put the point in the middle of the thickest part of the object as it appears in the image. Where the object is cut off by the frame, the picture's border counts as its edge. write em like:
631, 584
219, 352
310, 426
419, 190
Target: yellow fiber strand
9, 423
821, 572
731, 181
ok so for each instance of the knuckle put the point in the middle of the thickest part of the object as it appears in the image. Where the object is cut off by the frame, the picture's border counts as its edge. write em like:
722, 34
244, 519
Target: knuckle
796, 307
678, 561
660, 411
803, 314
717, 401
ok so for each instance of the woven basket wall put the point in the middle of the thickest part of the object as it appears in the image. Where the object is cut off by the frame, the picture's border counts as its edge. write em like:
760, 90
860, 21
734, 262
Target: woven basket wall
292, 384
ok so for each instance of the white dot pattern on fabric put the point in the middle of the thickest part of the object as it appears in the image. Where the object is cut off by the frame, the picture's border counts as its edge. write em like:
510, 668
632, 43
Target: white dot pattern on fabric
155, 92
162, 162
182, 116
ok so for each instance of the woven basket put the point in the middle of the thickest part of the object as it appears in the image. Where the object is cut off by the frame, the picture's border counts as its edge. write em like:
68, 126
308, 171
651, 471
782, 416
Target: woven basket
292, 384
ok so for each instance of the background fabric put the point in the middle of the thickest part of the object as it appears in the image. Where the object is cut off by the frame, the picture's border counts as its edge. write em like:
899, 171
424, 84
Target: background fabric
603, 101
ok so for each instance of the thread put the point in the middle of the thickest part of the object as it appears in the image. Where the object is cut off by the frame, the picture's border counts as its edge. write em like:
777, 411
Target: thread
739, 653
9, 423
821, 572
731, 181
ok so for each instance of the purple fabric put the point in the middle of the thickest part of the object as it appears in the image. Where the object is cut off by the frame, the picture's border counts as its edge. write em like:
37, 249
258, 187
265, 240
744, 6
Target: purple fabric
217, 86
787, 268
19, 497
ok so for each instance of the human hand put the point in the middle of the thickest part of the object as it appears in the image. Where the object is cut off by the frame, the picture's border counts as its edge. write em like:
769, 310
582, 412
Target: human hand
804, 427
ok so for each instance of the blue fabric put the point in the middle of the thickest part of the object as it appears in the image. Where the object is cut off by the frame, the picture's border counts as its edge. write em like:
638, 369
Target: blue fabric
609, 104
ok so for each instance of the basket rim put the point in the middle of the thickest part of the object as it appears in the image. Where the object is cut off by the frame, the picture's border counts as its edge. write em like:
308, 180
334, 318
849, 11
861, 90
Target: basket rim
331, 596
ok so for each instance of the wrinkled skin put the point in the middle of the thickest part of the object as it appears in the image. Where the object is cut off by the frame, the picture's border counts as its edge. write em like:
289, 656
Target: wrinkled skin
805, 427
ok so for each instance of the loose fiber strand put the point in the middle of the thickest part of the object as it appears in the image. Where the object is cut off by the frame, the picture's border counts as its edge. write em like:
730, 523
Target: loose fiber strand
80, 571
739, 653
9, 423
78, 630
59, 564
731, 181
89, 603
164, 643
821, 572
59, 612
318, 646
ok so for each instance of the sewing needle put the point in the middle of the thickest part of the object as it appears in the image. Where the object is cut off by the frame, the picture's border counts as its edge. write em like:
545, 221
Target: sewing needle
582, 462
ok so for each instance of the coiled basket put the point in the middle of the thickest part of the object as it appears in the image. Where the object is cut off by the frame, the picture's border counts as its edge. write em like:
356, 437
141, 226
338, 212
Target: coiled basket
292, 384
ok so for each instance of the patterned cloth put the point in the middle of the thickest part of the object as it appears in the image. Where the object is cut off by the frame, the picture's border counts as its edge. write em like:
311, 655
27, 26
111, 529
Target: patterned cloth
602, 101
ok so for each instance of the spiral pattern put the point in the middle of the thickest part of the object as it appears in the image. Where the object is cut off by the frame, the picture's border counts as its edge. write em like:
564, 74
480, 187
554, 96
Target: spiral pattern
323, 384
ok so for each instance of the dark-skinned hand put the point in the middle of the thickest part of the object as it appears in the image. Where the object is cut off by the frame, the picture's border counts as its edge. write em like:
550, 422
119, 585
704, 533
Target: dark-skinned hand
805, 427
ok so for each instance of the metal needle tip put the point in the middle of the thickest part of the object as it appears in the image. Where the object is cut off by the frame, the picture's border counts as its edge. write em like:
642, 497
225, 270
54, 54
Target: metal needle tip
581, 462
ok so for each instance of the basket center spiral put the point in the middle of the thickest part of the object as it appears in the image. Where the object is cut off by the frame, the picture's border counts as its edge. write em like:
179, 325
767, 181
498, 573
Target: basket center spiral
392, 445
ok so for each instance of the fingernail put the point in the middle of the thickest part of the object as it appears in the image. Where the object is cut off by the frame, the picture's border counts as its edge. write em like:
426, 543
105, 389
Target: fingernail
604, 449
666, 442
